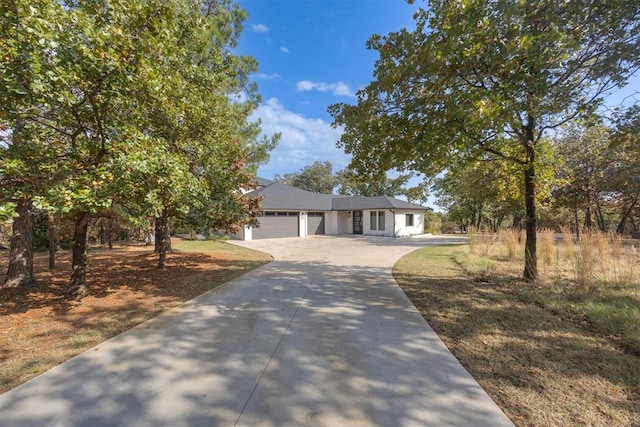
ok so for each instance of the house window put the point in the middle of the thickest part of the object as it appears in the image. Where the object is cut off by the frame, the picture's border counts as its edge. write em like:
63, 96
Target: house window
409, 220
373, 220
381, 220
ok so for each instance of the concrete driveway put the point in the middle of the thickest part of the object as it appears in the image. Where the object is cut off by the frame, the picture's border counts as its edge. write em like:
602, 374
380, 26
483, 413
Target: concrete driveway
322, 336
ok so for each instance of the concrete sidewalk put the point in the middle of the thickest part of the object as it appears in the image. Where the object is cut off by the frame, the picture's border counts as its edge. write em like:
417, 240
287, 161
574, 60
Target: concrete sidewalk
322, 336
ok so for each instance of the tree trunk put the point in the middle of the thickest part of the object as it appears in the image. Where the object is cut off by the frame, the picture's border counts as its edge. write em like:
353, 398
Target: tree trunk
51, 234
77, 286
163, 242
158, 233
588, 224
20, 271
531, 221
577, 221
517, 222
626, 214
110, 233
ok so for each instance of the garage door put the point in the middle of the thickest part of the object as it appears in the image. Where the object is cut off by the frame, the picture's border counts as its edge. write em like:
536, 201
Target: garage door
315, 223
277, 224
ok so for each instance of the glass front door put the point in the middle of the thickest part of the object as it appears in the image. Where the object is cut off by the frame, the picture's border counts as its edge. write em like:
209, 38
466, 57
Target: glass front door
357, 222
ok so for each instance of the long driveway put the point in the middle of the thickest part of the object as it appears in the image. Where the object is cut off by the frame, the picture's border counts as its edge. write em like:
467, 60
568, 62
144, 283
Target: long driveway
322, 336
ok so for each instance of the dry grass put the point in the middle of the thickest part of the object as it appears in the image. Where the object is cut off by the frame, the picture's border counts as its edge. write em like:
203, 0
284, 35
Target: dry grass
541, 359
40, 327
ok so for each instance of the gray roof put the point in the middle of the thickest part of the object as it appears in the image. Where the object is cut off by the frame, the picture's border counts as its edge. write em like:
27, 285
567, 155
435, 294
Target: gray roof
279, 196
263, 182
354, 203
285, 197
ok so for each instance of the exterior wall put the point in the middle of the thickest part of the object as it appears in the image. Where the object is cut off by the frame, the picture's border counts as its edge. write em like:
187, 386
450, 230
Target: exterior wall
247, 233
302, 224
400, 220
341, 222
345, 222
388, 223
243, 234
331, 222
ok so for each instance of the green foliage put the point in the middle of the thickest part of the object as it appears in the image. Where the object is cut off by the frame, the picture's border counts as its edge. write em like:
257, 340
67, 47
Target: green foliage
482, 78
129, 103
353, 183
317, 178
597, 178
433, 222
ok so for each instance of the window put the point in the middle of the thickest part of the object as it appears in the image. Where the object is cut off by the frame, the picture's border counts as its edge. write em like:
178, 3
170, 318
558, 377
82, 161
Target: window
373, 220
409, 220
380, 220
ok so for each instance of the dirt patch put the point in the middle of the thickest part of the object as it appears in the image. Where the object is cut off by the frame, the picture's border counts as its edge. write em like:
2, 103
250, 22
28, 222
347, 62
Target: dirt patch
41, 327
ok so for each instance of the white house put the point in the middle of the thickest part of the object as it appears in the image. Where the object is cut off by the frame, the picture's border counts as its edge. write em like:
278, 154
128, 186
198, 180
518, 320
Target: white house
292, 212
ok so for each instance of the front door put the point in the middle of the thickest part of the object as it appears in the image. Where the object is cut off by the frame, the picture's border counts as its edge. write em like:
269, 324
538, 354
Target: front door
357, 222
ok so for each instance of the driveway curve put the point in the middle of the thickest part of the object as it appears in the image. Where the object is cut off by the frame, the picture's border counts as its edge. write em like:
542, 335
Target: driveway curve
322, 336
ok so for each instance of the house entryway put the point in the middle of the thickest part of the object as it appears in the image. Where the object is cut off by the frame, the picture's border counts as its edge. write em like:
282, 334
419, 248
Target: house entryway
357, 222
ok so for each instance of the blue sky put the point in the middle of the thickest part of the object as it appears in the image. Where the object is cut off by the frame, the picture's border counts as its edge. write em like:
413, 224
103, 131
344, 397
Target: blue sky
311, 54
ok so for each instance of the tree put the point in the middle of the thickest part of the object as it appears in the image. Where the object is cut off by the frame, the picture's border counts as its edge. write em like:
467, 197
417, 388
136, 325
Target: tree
317, 178
583, 151
475, 74
481, 193
125, 93
353, 184
28, 83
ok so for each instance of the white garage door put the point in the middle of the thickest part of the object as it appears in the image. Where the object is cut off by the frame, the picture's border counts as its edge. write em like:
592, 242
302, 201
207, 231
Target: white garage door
277, 224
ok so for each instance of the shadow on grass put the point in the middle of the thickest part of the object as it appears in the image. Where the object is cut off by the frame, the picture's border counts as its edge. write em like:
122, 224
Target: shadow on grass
540, 366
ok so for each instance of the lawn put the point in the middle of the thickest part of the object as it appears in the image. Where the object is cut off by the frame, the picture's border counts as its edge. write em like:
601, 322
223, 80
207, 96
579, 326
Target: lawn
537, 350
40, 327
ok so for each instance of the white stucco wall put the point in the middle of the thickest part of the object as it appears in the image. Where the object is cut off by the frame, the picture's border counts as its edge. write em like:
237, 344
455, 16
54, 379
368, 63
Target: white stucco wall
345, 222
388, 223
247, 233
302, 224
331, 222
400, 220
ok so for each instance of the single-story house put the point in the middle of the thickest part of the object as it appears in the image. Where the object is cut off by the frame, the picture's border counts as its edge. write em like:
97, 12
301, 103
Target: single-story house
291, 212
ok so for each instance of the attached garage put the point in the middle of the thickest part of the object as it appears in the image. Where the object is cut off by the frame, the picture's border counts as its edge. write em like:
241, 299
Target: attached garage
277, 224
315, 223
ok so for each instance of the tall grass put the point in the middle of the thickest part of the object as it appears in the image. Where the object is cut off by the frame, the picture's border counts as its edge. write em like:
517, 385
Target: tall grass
596, 277
597, 259
481, 241
513, 240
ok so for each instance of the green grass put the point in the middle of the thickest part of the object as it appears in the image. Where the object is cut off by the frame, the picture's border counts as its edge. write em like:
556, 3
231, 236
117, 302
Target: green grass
219, 247
548, 355
608, 310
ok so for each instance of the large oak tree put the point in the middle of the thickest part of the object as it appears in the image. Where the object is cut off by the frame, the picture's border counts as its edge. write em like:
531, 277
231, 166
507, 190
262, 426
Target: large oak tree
476, 73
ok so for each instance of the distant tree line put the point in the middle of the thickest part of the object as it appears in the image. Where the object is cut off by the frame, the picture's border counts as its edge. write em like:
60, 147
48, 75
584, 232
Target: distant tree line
588, 179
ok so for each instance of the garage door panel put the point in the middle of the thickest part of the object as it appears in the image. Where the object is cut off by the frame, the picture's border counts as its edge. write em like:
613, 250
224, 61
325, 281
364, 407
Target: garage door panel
315, 223
272, 226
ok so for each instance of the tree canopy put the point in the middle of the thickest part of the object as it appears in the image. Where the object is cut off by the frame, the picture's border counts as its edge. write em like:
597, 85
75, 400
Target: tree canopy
476, 77
128, 103
317, 178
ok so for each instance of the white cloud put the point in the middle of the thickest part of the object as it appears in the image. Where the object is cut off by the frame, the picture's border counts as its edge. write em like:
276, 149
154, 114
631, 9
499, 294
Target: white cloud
260, 28
304, 140
263, 76
284, 49
339, 88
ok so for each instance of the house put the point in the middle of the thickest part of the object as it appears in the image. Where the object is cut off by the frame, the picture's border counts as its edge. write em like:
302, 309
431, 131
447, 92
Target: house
291, 212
